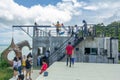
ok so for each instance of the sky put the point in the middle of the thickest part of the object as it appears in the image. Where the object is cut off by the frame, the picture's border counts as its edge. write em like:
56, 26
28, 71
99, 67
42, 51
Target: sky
46, 12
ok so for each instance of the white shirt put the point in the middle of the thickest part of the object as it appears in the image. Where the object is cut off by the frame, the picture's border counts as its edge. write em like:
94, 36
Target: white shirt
15, 64
19, 63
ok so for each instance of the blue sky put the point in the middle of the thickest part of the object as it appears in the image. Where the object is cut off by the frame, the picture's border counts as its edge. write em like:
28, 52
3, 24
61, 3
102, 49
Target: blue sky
69, 12
30, 3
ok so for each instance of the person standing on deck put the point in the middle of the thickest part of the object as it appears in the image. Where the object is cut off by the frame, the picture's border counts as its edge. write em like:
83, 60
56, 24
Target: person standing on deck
69, 30
85, 31
58, 27
69, 51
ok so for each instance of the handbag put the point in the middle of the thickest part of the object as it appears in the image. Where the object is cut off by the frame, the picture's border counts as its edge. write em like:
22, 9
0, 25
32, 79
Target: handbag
45, 73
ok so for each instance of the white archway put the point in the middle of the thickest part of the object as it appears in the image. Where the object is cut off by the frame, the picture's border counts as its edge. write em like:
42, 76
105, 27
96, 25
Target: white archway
11, 55
25, 50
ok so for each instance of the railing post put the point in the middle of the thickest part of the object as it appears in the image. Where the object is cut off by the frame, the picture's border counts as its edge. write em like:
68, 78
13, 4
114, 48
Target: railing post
34, 49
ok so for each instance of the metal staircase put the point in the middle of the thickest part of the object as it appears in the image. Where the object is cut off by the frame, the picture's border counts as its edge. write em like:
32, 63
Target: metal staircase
59, 54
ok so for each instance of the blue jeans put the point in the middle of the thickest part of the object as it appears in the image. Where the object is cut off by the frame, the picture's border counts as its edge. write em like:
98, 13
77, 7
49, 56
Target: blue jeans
38, 62
72, 60
19, 69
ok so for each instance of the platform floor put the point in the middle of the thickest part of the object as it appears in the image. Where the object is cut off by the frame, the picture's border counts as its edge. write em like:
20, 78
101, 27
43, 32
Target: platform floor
34, 75
82, 71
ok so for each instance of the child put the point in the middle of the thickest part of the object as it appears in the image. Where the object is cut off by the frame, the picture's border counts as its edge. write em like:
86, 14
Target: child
73, 59
44, 67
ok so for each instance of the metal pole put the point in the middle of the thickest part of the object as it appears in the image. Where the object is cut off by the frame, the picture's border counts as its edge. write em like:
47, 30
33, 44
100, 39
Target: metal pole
34, 51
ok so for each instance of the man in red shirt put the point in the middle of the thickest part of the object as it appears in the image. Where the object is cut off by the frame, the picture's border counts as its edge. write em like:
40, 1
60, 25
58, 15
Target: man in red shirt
44, 67
69, 51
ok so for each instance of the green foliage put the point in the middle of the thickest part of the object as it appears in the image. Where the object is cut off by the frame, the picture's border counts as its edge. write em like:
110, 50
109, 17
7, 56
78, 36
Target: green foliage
109, 30
0, 58
6, 73
4, 64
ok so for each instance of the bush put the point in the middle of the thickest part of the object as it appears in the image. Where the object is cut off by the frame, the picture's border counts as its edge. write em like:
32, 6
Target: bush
4, 64
6, 73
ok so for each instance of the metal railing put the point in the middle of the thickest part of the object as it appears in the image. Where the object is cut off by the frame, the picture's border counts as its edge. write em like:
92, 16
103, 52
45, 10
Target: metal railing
49, 31
60, 52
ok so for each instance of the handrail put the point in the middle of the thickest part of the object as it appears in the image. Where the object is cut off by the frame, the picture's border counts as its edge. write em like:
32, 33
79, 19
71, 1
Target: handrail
45, 33
76, 43
55, 53
59, 54
52, 31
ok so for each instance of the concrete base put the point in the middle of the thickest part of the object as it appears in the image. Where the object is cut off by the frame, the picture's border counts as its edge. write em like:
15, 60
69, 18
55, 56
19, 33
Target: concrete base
82, 71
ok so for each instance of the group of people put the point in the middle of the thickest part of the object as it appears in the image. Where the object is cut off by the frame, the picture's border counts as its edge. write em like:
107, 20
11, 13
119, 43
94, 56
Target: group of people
22, 67
71, 29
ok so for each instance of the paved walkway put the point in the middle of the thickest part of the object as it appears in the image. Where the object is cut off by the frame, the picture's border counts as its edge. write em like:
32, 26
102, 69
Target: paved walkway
82, 71
34, 75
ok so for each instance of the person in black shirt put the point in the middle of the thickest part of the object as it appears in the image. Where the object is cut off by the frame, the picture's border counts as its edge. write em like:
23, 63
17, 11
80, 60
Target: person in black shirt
28, 67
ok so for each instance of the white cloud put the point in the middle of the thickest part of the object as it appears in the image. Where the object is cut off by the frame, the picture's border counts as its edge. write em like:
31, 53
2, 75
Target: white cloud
66, 11
11, 11
52, 14
101, 11
20, 36
14, 14
90, 8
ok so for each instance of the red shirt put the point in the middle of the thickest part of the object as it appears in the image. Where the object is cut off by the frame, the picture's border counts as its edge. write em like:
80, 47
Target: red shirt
69, 49
44, 67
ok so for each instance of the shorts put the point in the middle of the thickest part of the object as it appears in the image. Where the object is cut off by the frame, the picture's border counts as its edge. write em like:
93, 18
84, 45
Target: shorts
16, 69
28, 70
